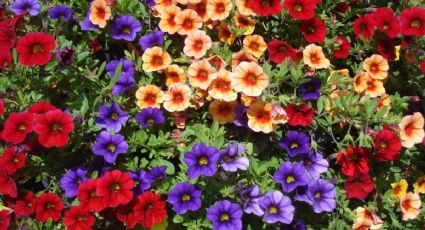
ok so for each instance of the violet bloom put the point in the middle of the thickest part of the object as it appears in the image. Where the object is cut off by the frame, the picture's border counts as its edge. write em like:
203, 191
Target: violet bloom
241, 118
63, 13
126, 69
321, 195
295, 225
65, 56
141, 183
156, 174
71, 180
314, 164
126, 28
295, 142
109, 146
123, 85
250, 200
111, 117
301, 193
150, 116
87, 25
150, 3
291, 175
185, 197
277, 208
310, 90
152, 39
225, 215
231, 159
32, 7
201, 160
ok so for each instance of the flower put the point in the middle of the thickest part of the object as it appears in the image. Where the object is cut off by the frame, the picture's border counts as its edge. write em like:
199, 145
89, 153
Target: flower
201, 9
109, 146
225, 215
310, 90
386, 48
277, 208
244, 22
167, 22
5, 219
321, 195
116, 187
295, 143
8, 185
314, 57
41, 107
255, 45
150, 209
244, 7
125, 83
354, 159
359, 186
280, 51
48, 206
100, 12
314, 30
161, 5
300, 114
341, 48
251, 200
185, 197
87, 25
231, 159
222, 112
150, 116
410, 205
71, 180
89, 198
155, 58
5, 59
32, 7
152, 39
300, 9
177, 97
61, 13
17, 126
364, 26
53, 128
279, 115
218, 9
295, 225
201, 74
314, 164
25, 206
174, 74
250, 79
197, 44
419, 185
260, 117
65, 56
241, 118
157, 174
7, 37
411, 130
126, 28
386, 22
265, 7
149, 96
367, 218
387, 145
111, 117
187, 21
363, 83
225, 34
34, 48
221, 87
290, 176
127, 67
242, 56
413, 21
376, 67
77, 218
201, 160
399, 188
141, 182
11, 160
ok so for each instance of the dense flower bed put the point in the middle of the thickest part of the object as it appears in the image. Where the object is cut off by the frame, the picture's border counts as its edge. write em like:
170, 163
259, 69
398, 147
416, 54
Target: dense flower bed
212, 114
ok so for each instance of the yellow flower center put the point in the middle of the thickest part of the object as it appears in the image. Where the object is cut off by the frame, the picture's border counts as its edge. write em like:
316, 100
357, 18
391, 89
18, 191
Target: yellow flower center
150, 121
114, 116
415, 23
22, 127
111, 147
115, 187
273, 210
203, 161
298, 8
317, 195
56, 127
383, 144
126, 30
37, 48
290, 179
294, 145
224, 217
185, 197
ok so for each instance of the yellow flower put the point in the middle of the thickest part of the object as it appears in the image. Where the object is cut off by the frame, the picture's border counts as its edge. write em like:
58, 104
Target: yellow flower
242, 21
410, 205
149, 96
243, 7
399, 188
225, 34
260, 117
155, 59
366, 219
419, 186
314, 57
255, 45
162, 5
222, 112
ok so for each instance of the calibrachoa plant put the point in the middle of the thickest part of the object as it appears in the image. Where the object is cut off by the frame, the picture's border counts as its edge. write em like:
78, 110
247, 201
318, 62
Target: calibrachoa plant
212, 114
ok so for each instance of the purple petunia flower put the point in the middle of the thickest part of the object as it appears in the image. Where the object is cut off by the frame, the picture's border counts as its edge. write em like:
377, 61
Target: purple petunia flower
301, 193
231, 159
295, 142
126, 69
65, 55
185, 197
126, 28
71, 180
156, 174
314, 164
111, 117
241, 118
250, 200
123, 85
152, 39
295, 225
63, 13
109, 146
149, 116
310, 90
225, 215
87, 25
321, 195
150, 3
32, 7
277, 208
141, 183
291, 175
201, 160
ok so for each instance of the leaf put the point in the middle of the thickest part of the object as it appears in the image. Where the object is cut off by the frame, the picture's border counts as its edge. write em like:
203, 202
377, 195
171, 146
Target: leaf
178, 219
161, 226
321, 104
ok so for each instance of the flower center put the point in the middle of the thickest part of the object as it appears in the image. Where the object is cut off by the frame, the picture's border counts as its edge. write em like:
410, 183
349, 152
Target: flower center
22, 127
416, 23
111, 147
290, 179
227, 158
187, 23
81, 219
15, 160
56, 127
37, 48
126, 30
373, 67
185, 197
298, 8
115, 187
157, 60
224, 217
294, 145
93, 193
383, 144
385, 27
178, 97
220, 8
49, 206
203, 161
150, 121
317, 195
273, 210
254, 46
114, 116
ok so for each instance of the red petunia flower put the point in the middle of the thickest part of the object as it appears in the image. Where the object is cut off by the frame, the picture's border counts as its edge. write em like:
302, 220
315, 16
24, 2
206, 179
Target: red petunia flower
26, 206
4, 219
8, 186
413, 21
126, 215
53, 128
116, 187
1, 107
341, 49
386, 22
88, 197
77, 218
35, 48
300, 9
7, 37
364, 26
386, 48
340, 10
279, 51
17, 126
300, 115
265, 7
41, 107
354, 160
359, 186
48, 205
5, 59
11, 161
422, 66
150, 209
314, 30
387, 145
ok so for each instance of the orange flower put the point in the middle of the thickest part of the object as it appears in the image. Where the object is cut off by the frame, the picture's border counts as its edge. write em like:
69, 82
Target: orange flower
260, 117
218, 9
188, 21
367, 218
155, 59
149, 96
100, 13
174, 74
221, 87
225, 34
222, 112
217, 62
314, 57
376, 66
399, 188
167, 22
161, 5
419, 185
410, 205
374, 88
185, 2
250, 79
201, 74
247, 100
384, 100
177, 98
201, 9
242, 56
242, 22
255, 45
360, 82
412, 129
243, 7
196, 44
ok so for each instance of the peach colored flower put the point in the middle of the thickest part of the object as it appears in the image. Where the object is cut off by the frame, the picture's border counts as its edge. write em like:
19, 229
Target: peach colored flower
260, 117
149, 96
221, 87
410, 205
201, 74
255, 45
314, 57
376, 66
177, 98
218, 9
412, 130
196, 44
222, 112
99, 13
250, 79
188, 21
155, 58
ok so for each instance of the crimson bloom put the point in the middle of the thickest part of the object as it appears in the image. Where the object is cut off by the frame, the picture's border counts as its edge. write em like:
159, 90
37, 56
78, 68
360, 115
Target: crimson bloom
126, 215
89, 198
354, 160
386, 48
53, 128
279, 51
35, 48
300, 114
314, 30
7, 37
300, 9
8, 186
150, 208
364, 26
25, 206
48, 205
265, 7
11, 161
422, 66
116, 187
413, 21
1, 107
5, 59
387, 145
41, 107
359, 186
4, 219
77, 218
386, 22
341, 49
17, 126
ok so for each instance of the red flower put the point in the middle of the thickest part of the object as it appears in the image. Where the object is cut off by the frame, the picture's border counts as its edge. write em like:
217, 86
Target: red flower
53, 128
11, 161
35, 48
422, 66
341, 48
299, 114
77, 218
7, 37
279, 51
116, 187
150, 209
25, 207
359, 186
88, 197
340, 10
386, 48
300, 9
17, 126
8, 186
386, 22
364, 26
126, 215
354, 160
387, 145
265, 7
314, 30
95, 46
1, 107
41, 107
4, 219
48, 205
5, 59
413, 21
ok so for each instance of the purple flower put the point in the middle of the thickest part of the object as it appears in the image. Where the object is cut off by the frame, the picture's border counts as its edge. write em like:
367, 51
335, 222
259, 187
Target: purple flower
71, 180
65, 56
150, 3
231, 159
277, 208
111, 117
301, 193
125, 27
295, 142
250, 200
141, 183
149, 116
109, 146
311, 89
225, 215
32, 7
291, 175
152, 39
201, 160
185, 197
124, 84
156, 174
63, 13
126, 69
241, 118
295, 225
321, 195
314, 164
87, 25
